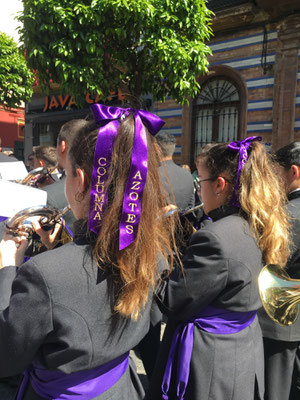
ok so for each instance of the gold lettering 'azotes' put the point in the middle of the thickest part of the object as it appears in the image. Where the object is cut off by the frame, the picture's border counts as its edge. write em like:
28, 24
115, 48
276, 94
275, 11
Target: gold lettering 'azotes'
134, 196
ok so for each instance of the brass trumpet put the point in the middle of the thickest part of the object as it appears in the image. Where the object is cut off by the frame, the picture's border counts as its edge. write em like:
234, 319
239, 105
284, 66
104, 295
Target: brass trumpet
20, 225
279, 294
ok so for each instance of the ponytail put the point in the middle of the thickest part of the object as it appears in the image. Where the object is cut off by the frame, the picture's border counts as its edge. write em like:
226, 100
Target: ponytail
263, 200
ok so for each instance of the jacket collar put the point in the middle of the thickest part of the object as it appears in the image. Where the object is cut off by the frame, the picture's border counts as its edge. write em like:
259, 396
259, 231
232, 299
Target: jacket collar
82, 235
223, 211
295, 194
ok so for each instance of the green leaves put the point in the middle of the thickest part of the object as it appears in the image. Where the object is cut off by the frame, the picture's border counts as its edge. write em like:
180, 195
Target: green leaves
16, 80
139, 46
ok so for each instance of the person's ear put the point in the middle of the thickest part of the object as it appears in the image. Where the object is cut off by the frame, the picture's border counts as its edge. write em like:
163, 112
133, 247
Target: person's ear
42, 163
221, 183
81, 179
63, 147
295, 172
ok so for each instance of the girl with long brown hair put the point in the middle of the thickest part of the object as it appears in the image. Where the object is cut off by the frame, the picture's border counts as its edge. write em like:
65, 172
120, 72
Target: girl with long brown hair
73, 313
212, 347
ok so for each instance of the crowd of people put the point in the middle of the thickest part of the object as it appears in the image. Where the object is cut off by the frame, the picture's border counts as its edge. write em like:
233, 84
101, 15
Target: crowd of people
70, 316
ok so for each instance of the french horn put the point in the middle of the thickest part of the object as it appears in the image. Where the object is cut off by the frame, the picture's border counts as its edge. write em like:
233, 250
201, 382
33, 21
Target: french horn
20, 225
279, 294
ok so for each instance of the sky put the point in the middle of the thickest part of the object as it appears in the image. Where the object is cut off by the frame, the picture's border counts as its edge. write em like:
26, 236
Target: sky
7, 23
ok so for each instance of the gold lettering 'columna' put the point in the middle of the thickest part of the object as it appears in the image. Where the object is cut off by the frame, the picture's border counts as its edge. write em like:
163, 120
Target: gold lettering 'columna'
99, 200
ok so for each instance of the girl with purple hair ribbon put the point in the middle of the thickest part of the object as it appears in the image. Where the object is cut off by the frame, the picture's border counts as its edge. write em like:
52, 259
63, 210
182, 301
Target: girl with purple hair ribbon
212, 346
70, 316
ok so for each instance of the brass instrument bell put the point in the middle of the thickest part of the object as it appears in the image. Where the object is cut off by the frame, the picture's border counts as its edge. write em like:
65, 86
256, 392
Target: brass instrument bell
279, 294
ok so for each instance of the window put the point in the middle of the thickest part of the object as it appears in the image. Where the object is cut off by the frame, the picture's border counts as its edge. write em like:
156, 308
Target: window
216, 113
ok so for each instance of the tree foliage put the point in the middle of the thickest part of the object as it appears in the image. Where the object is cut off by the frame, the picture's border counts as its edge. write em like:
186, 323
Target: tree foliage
16, 80
138, 46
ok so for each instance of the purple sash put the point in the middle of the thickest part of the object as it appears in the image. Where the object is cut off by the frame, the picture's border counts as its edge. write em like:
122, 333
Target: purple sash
212, 320
81, 385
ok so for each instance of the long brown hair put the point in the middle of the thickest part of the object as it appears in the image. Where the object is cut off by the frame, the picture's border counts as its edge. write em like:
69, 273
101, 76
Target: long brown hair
135, 268
260, 196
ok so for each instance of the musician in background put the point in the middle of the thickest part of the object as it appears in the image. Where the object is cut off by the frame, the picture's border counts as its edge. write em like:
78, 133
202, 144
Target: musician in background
282, 343
44, 156
212, 346
177, 181
56, 193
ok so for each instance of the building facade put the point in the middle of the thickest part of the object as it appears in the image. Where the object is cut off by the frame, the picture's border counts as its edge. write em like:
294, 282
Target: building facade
253, 84
252, 87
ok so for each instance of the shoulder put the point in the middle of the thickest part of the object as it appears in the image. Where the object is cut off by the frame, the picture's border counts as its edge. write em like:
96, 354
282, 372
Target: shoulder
172, 166
233, 235
61, 261
229, 223
176, 173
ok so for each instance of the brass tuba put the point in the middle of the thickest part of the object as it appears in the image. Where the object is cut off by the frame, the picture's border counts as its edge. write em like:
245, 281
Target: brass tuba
279, 294
20, 225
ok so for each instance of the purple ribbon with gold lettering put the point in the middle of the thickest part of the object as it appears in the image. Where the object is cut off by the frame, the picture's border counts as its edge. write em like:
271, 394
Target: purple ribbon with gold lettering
242, 147
109, 119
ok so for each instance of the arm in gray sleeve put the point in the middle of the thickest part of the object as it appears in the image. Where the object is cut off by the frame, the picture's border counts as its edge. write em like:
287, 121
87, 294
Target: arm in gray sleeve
25, 316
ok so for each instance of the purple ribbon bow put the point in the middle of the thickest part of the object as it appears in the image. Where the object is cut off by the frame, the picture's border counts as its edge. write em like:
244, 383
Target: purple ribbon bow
109, 118
242, 147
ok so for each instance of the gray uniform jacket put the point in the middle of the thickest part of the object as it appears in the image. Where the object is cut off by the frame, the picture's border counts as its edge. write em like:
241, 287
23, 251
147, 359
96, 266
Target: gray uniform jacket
271, 329
221, 266
178, 183
57, 309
